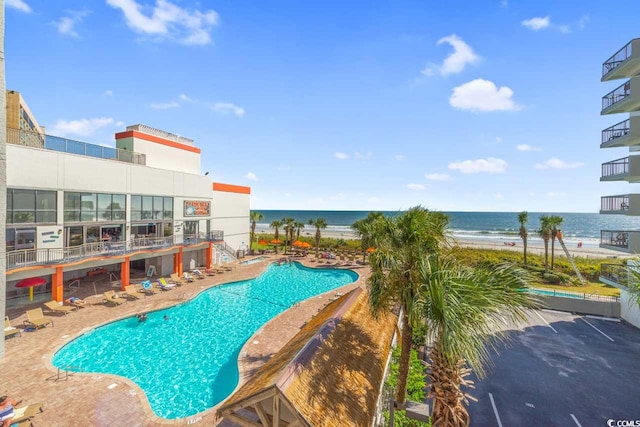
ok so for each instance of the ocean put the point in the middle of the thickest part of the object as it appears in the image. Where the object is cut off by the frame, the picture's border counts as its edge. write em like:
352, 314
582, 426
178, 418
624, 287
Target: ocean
576, 227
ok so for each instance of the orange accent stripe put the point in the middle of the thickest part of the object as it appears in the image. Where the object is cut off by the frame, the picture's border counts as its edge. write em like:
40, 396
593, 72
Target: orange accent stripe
152, 138
230, 188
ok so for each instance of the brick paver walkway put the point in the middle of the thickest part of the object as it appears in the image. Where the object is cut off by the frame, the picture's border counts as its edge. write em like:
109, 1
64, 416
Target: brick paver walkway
26, 371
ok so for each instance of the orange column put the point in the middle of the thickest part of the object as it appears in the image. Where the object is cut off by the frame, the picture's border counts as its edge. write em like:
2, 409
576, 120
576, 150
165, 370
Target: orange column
208, 256
57, 285
180, 263
125, 272
176, 259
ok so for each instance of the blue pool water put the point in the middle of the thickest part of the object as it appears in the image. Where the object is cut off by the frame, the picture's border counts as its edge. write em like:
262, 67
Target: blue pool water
253, 261
555, 293
188, 363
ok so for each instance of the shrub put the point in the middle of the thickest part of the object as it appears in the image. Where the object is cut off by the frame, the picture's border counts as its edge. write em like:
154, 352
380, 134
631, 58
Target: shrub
551, 278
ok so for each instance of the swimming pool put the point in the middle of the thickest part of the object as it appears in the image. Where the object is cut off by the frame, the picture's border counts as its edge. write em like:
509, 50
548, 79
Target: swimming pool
188, 363
555, 293
253, 261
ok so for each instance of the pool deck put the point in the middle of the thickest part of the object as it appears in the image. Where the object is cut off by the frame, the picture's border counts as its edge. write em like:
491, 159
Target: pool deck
109, 400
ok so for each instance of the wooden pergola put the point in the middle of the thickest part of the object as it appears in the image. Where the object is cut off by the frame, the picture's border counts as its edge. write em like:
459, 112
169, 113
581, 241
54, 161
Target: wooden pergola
329, 374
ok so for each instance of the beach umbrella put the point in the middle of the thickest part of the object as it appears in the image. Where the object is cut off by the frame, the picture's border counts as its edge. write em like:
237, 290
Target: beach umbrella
263, 242
297, 243
276, 241
370, 250
305, 245
30, 283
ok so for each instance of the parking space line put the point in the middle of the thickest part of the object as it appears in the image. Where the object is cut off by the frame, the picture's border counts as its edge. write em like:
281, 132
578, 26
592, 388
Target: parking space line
576, 420
608, 337
543, 319
609, 319
495, 410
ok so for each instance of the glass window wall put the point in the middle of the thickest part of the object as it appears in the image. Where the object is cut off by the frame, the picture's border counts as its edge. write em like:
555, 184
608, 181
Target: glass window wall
31, 206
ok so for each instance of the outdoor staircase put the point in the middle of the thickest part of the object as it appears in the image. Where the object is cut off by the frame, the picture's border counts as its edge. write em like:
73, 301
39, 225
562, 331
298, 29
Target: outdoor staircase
225, 250
573, 264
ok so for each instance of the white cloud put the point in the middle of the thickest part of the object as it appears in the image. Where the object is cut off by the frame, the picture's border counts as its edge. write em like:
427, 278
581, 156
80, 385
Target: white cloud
167, 20
251, 176
400, 157
416, 187
360, 156
164, 105
438, 177
455, 63
67, 24
119, 124
537, 23
488, 165
481, 95
82, 127
497, 196
184, 97
555, 163
228, 108
555, 194
527, 147
340, 156
21, 5
108, 92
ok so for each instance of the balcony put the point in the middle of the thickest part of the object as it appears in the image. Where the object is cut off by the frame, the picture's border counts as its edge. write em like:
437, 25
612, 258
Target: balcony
64, 145
624, 63
615, 275
623, 99
33, 257
627, 204
623, 134
626, 169
626, 241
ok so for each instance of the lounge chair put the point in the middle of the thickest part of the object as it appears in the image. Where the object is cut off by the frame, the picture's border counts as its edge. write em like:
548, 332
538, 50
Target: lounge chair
111, 297
210, 272
162, 284
147, 288
186, 276
23, 414
177, 279
132, 292
55, 306
37, 319
198, 273
10, 331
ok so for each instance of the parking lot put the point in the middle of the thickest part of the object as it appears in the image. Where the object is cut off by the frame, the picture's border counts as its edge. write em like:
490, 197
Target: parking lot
562, 369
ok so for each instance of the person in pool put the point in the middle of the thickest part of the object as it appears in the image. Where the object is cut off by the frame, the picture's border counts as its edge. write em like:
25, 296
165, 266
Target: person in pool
142, 317
6, 410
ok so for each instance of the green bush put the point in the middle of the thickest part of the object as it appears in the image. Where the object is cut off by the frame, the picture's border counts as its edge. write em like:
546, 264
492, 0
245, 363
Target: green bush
416, 386
551, 278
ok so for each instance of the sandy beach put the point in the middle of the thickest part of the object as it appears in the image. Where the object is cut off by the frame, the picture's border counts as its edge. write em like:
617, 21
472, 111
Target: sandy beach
534, 246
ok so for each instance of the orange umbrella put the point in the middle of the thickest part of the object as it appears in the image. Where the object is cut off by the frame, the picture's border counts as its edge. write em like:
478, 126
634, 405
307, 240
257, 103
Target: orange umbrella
297, 243
276, 241
263, 242
371, 249
305, 245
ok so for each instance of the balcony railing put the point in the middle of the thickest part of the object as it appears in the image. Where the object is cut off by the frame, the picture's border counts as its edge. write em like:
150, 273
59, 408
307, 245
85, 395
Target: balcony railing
614, 203
616, 131
616, 95
615, 238
30, 257
615, 167
64, 145
616, 273
618, 58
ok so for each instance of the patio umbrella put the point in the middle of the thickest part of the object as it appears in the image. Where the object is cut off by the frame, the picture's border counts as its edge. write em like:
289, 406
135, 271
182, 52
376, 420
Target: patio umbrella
276, 241
30, 283
297, 243
263, 242
370, 250
305, 245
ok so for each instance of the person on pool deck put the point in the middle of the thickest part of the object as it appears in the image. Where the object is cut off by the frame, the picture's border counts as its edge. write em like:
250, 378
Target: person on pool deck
6, 410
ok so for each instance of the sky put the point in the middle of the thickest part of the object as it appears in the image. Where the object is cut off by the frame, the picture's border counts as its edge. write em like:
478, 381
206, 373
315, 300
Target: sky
459, 105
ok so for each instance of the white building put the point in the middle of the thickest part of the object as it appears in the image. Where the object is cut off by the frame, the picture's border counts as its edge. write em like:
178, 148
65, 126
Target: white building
625, 98
73, 207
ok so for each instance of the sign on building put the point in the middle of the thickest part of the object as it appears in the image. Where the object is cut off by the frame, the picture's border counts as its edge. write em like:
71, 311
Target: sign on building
196, 208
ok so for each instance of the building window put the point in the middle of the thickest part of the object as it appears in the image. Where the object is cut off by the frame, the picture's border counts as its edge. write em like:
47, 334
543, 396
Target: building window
31, 206
92, 207
151, 207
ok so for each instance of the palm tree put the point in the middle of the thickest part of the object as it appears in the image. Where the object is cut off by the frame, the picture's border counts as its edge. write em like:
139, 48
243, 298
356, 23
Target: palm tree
319, 224
400, 243
545, 233
276, 224
289, 230
299, 226
254, 218
463, 308
554, 223
364, 230
523, 218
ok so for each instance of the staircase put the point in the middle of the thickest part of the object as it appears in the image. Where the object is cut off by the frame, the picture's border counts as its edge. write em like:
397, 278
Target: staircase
573, 264
227, 251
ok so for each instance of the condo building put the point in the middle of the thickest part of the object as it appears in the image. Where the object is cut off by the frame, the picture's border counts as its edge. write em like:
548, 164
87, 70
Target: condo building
74, 207
623, 99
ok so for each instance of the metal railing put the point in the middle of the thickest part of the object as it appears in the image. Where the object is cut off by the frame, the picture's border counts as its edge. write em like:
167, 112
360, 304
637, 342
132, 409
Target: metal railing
616, 95
576, 295
615, 167
616, 131
616, 273
615, 238
64, 145
614, 203
618, 58
225, 249
29, 257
